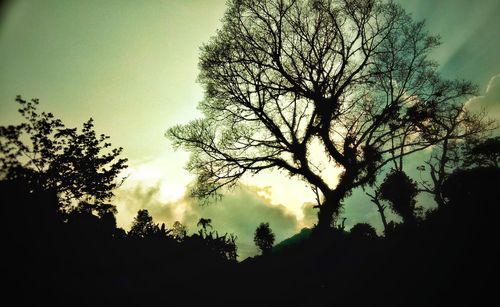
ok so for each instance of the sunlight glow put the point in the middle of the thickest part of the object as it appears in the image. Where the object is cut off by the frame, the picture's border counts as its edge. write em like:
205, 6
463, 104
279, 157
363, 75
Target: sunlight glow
153, 174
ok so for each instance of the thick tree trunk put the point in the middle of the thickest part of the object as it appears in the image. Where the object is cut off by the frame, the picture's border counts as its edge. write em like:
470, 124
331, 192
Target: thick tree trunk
330, 206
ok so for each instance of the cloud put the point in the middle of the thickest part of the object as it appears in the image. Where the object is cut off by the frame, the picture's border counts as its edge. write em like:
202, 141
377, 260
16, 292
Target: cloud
490, 102
310, 214
239, 212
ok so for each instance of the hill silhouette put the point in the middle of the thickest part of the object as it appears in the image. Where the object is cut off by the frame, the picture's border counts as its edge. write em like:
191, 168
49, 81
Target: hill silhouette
293, 241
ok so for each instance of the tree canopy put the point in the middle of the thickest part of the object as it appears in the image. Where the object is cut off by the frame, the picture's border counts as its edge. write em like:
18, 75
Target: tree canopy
144, 227
400, 191
80, 166
287, 79
264, 238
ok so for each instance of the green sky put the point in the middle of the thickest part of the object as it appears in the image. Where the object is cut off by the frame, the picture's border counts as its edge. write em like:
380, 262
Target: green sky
132, 66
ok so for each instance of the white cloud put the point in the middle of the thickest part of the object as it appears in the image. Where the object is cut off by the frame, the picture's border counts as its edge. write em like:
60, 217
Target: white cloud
490, 101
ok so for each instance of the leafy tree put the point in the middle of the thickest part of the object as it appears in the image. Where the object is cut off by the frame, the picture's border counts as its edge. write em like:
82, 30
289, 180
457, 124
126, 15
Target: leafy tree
482, 153
144, 227
179, 231
284, 79
230, 247
400, 191
224, 246
363, 230
79, 166
475, 190
264, 238
84, 223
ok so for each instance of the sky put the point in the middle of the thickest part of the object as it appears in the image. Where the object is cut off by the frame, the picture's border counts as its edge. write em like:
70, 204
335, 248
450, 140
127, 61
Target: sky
132, 66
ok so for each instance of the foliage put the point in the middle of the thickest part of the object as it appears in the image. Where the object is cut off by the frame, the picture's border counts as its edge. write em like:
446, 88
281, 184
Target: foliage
477, 186
144, 227
482, 152
363, 230
264, 238
79, 166
204, 223
223, 246
453, 248
179, 231
400, 191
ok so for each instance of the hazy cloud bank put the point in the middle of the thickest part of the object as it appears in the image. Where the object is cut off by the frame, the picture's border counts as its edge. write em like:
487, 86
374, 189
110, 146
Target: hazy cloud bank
240, 212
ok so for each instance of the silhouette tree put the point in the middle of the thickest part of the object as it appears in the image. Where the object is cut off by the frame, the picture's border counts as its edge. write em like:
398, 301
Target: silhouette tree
144, 227
179, 231
363, 230
46, 155
204, 223
230, 247
400, 191
375, 198
264, 238
482, 152
475, 190
224, 246
285, 79
458, 130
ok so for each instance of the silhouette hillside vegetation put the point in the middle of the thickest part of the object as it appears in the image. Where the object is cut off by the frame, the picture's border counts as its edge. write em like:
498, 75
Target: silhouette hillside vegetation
304, 87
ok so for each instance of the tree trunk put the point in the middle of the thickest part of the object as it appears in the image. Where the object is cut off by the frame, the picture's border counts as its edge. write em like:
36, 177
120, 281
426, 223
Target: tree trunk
381, 210
438, 198
330, 206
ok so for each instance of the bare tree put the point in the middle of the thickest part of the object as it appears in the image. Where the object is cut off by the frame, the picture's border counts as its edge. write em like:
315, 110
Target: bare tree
376, 199
283, 77
457, 128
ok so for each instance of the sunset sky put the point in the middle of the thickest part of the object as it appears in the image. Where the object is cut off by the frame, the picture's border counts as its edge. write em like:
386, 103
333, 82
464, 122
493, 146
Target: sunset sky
132, 66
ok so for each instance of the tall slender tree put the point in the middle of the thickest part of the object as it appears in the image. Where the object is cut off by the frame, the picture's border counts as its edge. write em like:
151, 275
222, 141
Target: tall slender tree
264, 238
